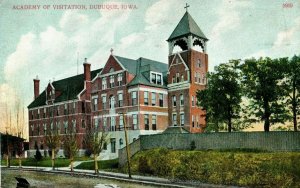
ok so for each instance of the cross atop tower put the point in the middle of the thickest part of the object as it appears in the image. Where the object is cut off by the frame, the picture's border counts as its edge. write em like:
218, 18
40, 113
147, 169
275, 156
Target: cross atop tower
186, 6
111, 51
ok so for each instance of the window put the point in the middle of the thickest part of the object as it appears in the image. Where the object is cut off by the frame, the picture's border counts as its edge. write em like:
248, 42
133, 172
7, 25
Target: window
197, 122
193, 101
156, 78
198, 63
44, 114
120, 99
153, 99
83, 123
112, 81
181, 100
161, 100
134, 98
32, 130
203, 78
181, 119
120, 77
95, 104
66, 127
153, 122
74, 107
113, 145
103, 102
38, 129
83, 107
96, 124
193, 121
38, 114
146, 121
174, 119
112, 102
159, 80
195, 75
51, 126
66, 109
104, 84
58, 127
182, 78
121, 123
177, 77
105, 123
74, 126
113, 123
112, 70
174, 100
45, 129
153, 77
134, 121
173, 79
146, 97
121, 142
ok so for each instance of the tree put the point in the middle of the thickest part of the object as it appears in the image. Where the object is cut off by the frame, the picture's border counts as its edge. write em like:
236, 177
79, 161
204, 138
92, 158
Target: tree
38, 156
222, 97
94, 143
260, 79
52, 140
291, 86
70, 147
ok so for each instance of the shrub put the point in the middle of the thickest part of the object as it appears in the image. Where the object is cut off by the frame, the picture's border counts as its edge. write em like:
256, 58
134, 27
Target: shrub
193, 145
144, 166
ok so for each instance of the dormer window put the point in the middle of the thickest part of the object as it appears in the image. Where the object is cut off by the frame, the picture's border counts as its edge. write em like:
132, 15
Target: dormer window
156, 78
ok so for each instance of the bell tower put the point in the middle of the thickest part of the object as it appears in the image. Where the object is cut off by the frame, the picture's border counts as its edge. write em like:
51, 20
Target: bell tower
186, 74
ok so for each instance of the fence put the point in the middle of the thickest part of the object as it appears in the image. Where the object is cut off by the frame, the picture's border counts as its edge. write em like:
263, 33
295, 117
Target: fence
269, 141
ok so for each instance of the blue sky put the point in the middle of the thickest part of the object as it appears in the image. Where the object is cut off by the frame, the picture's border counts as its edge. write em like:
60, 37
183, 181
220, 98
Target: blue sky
46, 42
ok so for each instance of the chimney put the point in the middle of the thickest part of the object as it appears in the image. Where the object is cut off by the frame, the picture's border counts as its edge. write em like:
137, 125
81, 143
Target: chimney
36, 83
87, 70
87, 79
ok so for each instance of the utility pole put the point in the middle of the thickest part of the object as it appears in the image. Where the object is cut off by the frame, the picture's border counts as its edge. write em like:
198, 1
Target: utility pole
127, 146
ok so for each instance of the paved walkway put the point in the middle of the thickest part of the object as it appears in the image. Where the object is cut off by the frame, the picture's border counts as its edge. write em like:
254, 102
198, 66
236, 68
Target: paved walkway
149, 180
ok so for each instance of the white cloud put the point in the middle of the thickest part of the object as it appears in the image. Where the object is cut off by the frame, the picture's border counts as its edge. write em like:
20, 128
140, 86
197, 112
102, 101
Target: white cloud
52, 52
285, 44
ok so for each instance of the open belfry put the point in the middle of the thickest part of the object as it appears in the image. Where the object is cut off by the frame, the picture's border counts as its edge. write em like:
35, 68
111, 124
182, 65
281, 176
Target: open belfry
156, 97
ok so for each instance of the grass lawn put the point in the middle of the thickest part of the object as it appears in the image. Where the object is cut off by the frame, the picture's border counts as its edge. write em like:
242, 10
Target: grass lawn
45, 162
106, 164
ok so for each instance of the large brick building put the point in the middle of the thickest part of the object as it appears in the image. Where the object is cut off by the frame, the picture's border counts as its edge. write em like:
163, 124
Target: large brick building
154, 96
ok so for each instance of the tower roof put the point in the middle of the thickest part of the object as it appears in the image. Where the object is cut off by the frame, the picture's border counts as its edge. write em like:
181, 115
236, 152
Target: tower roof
186, 26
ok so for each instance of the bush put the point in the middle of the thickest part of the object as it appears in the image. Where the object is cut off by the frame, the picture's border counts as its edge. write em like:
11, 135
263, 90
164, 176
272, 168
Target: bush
144, 166
277, 169
193, 145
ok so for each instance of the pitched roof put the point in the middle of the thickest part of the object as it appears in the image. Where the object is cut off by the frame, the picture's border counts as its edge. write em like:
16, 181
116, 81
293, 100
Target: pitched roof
144, 66
186, 26
69, 88
171, 130
129, 64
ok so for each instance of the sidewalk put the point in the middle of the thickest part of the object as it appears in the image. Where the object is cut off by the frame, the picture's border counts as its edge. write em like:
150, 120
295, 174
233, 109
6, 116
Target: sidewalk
149, 180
